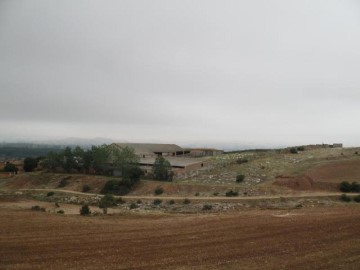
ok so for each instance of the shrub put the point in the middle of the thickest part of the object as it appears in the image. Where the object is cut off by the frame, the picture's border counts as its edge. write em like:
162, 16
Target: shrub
107, 201
240, 178
138, 201
86, 188
293, 151
38, 208
231, 193
63, 182
171, 202
57, 204
355, 187
301, 148
85, 210
357, 198
207, 207
216, 193
197, 194
118, 187
162, 169
242, 160
61, 212
159, 191
50, 194
9, 167
157, 202
186, 201
345, 198
120, 201
133, 206
347, 187
30, 164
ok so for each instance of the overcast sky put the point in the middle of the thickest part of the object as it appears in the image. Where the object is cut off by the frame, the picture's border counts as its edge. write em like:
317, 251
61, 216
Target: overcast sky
260, 72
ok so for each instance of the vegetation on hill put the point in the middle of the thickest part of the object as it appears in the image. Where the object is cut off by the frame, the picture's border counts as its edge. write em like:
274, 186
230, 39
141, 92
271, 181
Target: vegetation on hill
162, 169
23, 150
98, 160
345, 186
9, 167
30, 164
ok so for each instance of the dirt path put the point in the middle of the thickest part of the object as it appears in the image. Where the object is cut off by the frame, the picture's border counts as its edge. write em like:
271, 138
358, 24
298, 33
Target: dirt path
198, 198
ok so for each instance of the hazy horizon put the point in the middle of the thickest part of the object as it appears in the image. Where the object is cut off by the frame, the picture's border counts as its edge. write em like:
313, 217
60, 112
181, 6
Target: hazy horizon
205, 73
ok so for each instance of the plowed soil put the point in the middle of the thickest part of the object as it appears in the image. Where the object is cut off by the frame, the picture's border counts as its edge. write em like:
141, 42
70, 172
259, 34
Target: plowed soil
325, 177
311, 238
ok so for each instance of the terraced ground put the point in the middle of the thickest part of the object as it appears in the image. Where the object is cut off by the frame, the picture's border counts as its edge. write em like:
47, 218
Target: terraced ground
311, 238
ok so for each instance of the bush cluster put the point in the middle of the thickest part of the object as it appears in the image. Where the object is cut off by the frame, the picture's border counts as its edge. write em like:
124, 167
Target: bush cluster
157, 202
159, 191
133, 206
242, 160
63, 182
207, 207
86, 188
240, 178
171, 202
346, 198
231, 193
118, 187
49, 194
186, 201
349, 187
38, 208
85, 210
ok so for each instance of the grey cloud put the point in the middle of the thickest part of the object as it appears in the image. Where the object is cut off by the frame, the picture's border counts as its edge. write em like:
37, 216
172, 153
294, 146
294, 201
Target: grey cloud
181, 70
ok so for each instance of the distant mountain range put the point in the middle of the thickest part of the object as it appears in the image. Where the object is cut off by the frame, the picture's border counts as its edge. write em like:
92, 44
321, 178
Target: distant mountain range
88, 142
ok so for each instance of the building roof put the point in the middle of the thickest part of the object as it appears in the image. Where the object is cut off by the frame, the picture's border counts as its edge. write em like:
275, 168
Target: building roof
150, 148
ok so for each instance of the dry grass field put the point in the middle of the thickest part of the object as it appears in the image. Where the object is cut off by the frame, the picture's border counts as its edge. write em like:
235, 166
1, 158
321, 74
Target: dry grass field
311, 238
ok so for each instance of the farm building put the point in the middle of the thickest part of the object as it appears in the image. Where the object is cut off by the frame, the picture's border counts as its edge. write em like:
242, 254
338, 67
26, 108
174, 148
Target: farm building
203, 152
180, 159
144, 150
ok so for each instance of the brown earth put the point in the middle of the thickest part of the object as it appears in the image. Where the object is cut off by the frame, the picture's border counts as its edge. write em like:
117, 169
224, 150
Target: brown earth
326, 176
312, 238
52, 180
96, 183
335, 172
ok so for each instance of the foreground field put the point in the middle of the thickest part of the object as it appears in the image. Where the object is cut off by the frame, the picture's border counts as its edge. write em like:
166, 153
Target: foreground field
311, 238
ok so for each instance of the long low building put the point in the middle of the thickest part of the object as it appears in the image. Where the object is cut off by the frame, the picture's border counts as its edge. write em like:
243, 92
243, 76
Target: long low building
145, 150
181, 163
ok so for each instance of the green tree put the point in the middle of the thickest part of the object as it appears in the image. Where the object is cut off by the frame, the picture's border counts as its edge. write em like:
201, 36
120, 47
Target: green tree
30, 164
78, 156
99, 157
106, 202
345, 186
85, 210
127, 162
9, 167
162, 169
68, 162
52, 161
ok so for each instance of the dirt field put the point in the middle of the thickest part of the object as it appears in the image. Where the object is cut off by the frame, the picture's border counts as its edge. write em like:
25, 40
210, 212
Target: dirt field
312, 238
326, 176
